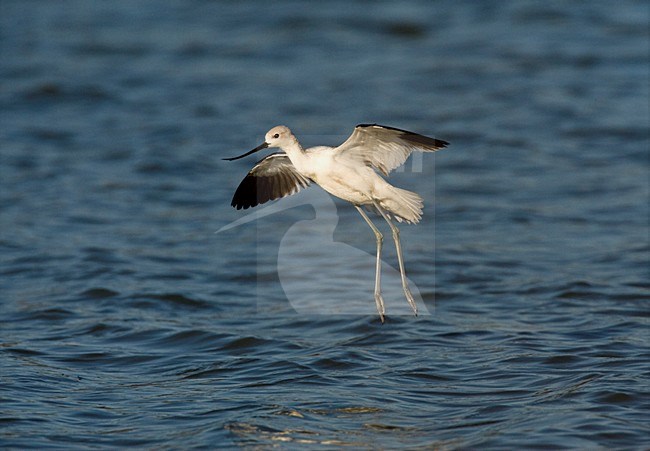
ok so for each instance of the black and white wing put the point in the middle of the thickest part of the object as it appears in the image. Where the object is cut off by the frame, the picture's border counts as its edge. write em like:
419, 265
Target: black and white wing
386, 148
271, 178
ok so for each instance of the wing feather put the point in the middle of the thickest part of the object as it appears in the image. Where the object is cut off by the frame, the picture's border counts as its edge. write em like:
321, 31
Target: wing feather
386, 148
271, 178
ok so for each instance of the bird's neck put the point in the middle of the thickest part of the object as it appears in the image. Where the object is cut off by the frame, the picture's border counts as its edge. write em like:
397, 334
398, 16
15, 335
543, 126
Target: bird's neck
295, 152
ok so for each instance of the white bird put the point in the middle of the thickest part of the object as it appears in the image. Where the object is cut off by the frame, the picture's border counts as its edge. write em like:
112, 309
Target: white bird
350, 172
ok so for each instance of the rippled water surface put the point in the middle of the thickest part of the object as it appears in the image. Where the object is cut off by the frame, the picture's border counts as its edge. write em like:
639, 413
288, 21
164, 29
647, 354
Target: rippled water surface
125, 320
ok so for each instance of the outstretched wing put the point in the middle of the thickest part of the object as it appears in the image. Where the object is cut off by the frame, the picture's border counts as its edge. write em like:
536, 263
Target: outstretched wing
386, 148
271, 178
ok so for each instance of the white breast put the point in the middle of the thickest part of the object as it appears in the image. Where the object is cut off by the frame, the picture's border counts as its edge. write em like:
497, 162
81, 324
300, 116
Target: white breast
335, 175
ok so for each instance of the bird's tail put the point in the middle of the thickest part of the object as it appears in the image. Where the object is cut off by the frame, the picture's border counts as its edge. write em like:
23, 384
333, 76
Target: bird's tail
403, 205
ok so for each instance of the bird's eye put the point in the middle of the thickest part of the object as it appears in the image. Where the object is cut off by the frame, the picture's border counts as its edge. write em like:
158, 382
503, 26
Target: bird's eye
277, 135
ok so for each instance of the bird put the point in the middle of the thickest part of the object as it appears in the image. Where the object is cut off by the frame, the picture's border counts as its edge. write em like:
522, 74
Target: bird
354, 171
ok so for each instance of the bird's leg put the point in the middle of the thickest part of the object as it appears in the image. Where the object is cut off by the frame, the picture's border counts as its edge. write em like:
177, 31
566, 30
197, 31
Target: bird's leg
400, 259
378, 299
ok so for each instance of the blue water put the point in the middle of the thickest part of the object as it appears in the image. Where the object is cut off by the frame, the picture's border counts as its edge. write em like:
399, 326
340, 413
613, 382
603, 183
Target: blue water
127, 321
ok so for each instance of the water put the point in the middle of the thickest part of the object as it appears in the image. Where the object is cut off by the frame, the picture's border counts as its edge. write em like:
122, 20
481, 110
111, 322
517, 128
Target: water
127, 321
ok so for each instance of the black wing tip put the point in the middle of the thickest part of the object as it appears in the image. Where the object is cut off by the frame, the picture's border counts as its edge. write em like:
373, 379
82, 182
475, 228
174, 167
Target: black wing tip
256, 190
239, 206
411, 136
246, 194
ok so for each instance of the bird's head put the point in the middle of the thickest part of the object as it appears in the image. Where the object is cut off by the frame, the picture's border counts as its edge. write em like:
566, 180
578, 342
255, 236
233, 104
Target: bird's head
279, 136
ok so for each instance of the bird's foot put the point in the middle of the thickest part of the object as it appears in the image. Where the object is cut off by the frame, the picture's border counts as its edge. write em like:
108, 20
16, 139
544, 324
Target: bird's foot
379, 301
411, 300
